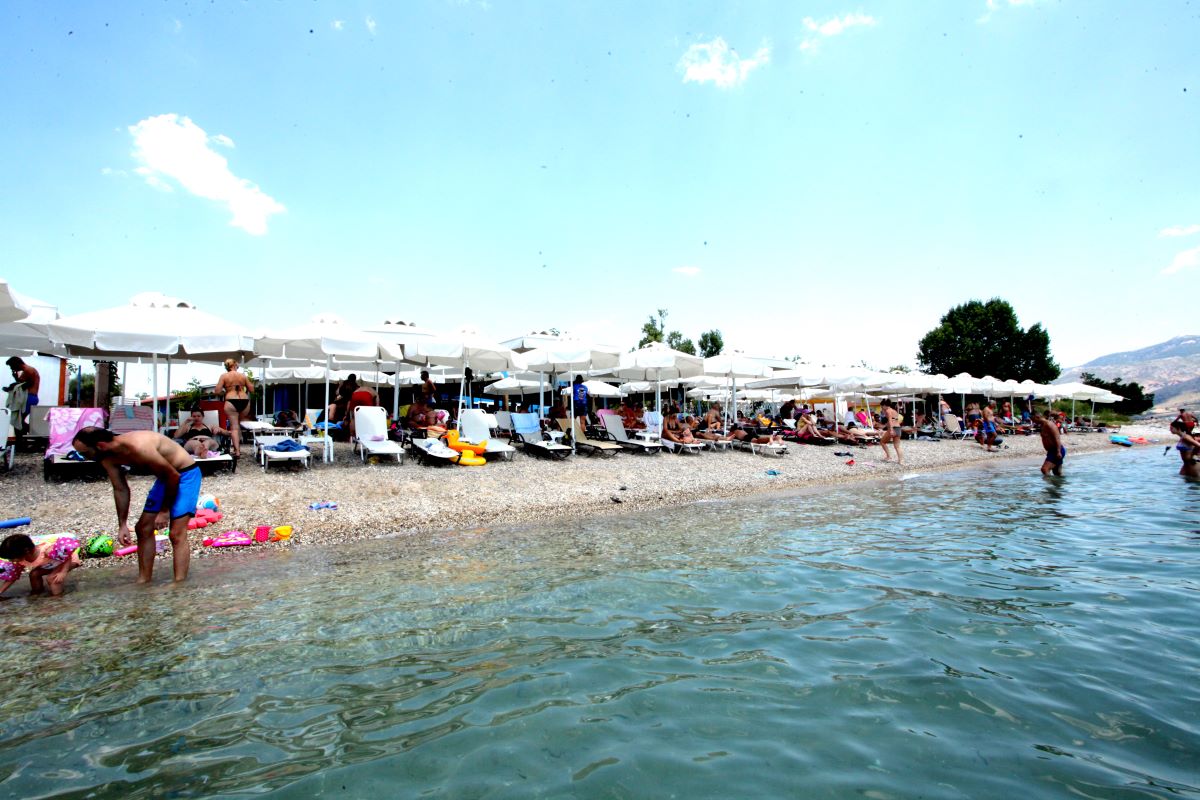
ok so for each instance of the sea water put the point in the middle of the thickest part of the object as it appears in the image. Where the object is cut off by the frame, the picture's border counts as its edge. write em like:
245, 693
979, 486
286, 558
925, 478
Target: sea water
983, 633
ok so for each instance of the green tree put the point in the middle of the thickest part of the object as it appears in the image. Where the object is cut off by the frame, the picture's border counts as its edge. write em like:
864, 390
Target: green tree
986, 339
711, 343
676, 341
1136, 400
652, 331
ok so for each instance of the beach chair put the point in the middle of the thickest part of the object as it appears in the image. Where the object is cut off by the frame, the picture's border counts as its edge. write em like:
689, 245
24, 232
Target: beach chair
683, 447
61, 459
616, 429
273, 444
371, 434
768, 449
528, 431
593, 445
504, 423
8, 450
952, 428
125, 419
476, 427
432, 451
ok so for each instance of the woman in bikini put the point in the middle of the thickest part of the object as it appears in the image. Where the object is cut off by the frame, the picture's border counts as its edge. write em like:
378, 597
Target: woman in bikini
197, 437
891, 431
235, 388
1188, 448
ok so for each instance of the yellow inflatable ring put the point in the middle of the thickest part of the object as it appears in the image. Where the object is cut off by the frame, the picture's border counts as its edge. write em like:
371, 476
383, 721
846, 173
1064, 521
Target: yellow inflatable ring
464, 447
468, 459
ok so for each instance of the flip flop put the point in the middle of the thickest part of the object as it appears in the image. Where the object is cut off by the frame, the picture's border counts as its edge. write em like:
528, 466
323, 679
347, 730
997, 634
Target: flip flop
844, 455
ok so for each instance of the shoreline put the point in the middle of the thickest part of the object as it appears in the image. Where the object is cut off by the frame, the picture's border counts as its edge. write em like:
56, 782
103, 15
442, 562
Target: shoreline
385, 500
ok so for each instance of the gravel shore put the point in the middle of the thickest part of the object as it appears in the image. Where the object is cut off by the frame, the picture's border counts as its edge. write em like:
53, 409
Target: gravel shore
387, 499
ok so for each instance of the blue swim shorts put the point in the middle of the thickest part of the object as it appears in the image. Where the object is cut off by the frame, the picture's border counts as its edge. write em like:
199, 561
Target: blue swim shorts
1056, 459
185, 498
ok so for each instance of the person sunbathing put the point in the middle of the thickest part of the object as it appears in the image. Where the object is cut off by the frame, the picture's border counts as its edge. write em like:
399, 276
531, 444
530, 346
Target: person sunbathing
197, 438
807, 430
676, 431
423, 418
631, 417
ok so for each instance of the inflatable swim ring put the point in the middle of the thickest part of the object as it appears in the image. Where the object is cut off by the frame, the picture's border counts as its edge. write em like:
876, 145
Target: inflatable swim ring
465, 447
160, 544
469, 459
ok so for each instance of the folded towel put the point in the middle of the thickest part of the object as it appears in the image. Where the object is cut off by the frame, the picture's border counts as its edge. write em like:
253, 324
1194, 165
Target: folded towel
286, 446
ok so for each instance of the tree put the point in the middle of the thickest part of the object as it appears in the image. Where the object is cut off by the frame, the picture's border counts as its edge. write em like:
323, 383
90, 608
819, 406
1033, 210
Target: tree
711, 343
676, 341
986, 339
653, 331
1136, 400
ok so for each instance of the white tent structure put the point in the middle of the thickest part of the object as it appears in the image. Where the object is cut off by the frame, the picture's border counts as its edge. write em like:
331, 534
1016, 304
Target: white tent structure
152, 325
323, 338
732, 366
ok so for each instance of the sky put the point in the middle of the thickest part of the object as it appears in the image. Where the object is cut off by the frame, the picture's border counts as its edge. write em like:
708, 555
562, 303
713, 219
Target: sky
822, 179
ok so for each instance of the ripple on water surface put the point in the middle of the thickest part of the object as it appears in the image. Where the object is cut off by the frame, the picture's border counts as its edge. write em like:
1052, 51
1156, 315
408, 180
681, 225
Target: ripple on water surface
972, 634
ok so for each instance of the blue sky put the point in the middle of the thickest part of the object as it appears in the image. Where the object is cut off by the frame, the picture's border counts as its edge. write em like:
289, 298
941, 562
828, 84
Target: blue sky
814, 178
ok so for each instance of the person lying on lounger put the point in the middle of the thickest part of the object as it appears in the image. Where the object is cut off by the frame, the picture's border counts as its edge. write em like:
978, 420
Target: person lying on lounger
674, 430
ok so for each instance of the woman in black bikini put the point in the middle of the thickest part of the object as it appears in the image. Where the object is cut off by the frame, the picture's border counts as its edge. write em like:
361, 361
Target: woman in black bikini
235, 388
196, 437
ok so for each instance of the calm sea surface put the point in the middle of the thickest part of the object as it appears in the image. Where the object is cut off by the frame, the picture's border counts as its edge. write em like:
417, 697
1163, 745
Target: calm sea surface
964, 635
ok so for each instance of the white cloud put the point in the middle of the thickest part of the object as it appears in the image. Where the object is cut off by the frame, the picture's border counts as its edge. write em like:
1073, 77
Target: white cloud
690, 272
833, 27
371, 25
995, 5
223, 140
1180, 230
1188, 259
338, 24
718, 63
173, 148
178, 25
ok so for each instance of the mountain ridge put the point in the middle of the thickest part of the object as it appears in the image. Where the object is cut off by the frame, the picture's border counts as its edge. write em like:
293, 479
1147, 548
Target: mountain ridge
1170, 369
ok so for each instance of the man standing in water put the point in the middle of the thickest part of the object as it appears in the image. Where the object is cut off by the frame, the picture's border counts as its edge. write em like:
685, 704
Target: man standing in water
172, 497
1052, 441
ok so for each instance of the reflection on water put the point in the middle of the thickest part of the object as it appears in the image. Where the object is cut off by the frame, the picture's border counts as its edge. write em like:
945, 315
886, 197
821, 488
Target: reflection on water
975, 634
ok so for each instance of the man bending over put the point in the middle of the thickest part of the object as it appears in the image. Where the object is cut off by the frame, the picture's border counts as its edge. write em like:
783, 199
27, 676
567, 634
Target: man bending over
172, 497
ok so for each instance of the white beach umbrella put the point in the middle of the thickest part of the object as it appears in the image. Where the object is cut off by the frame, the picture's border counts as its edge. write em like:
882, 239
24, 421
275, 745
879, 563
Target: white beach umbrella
732, 366
154, 325
598, 389
321, 339
30, 334
569, 357
13, 305
655, 362
400, 333
511, 386
467, 350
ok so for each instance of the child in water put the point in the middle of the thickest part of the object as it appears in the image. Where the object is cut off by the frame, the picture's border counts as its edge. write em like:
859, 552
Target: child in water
50, 561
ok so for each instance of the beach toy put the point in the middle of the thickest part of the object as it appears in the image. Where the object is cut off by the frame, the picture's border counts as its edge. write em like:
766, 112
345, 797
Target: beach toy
453, 443
98, 546
322, 504
262, 533
229, 539
15, 523
1121, 440
9, 570
467, 458
197, 522
207, 501
160, 544
282, 533
773, 472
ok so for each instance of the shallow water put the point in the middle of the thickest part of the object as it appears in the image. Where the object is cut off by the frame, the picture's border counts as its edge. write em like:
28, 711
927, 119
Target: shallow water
987, 633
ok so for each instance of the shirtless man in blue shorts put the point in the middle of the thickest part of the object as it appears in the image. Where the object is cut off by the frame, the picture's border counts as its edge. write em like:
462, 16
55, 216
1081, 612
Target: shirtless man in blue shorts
172, 497
1052, 441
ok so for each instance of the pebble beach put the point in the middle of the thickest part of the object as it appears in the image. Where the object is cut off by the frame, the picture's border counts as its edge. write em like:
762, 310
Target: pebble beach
387, 499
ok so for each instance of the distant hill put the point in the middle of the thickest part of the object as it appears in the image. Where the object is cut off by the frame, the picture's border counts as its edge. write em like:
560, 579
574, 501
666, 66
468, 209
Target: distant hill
1171, 370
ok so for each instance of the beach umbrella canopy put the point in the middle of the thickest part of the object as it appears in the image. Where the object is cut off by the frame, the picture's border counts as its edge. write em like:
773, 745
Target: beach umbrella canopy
511, 386
400, 333
598, 389
464, 349
798, 378
13, 305
30, 333
327, 336
568, 356
657, 362
152, 324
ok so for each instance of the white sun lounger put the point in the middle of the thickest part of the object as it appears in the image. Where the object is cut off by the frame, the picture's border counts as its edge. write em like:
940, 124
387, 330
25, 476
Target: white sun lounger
476, 426
595, 445
266, 456
433, 451
616, 429
528, 431
370, 434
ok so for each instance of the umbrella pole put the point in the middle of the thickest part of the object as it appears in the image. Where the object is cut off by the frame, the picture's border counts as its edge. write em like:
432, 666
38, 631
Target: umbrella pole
326, 447
167, 405
396, 391
124, 379
571, 424
154, 389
